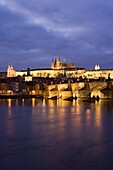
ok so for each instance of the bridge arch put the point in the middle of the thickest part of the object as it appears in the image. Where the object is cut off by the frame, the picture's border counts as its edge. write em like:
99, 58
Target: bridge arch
96, 91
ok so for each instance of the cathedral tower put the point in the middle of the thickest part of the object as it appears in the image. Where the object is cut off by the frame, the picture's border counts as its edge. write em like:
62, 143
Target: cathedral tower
10, 71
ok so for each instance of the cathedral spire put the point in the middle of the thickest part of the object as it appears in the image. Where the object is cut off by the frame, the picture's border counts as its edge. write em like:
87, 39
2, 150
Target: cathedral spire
58, 63
52, 64
59, 58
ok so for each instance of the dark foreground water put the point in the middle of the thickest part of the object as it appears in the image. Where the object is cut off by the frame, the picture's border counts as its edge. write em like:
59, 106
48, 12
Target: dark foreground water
56, 135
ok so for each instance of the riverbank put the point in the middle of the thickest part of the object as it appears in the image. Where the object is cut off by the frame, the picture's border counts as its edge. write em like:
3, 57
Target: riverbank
20, 96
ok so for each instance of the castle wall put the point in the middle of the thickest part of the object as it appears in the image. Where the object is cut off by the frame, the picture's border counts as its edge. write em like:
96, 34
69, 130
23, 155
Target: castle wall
99, 73
90, 74
21, 73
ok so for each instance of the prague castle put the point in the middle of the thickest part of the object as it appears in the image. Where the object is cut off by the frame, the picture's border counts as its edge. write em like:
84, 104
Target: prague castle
58, 64
59, 68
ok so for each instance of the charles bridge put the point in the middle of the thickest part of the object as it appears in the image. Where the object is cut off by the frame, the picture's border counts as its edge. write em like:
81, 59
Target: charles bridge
81, 90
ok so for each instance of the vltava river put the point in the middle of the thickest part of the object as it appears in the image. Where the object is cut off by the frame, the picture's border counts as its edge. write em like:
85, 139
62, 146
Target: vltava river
56, 135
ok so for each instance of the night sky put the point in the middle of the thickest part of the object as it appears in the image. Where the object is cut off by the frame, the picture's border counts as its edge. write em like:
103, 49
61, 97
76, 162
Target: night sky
32, 32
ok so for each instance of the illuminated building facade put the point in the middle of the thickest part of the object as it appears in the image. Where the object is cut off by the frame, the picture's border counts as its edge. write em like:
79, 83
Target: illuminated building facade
59, 68
10, 71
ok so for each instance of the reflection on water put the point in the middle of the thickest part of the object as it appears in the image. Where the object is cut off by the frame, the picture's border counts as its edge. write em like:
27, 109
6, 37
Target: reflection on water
38, 102
33, 102
9, 107
55, 134
22, 102
9, 102
98, 114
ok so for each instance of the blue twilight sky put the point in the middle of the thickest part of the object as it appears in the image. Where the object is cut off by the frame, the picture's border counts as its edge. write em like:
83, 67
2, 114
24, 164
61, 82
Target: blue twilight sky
32, 32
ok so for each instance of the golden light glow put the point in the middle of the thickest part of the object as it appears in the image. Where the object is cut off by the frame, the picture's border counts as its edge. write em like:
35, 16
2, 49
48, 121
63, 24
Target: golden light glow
77, 107
43, 102
9, 108
22, 102
98, 113
88, 111
88, 116
33, 92
33, 102
9, 102
9, 92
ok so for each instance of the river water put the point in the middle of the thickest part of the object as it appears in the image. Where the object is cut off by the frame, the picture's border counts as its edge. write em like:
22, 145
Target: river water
56, 135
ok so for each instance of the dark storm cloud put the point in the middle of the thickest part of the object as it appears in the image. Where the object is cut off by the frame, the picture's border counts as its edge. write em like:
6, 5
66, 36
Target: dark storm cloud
34, 31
